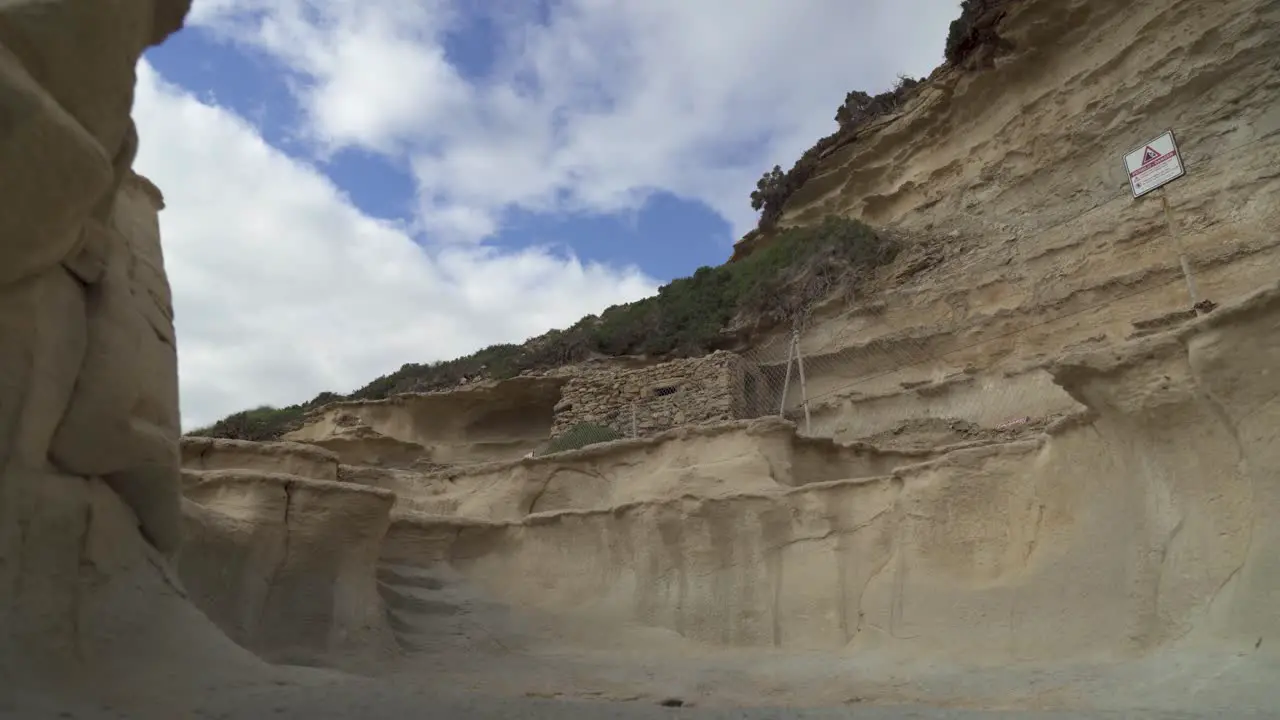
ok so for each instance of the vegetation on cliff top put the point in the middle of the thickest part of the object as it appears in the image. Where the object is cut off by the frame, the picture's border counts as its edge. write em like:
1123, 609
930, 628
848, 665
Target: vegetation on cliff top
688, 317
976, 28
857, 111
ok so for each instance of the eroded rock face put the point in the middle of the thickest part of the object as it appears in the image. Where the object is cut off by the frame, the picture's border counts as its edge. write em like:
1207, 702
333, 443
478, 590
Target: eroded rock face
290, 458
89, 354
285, 564
1021, 237
279, 554
89, 465
481, 422
1140, 524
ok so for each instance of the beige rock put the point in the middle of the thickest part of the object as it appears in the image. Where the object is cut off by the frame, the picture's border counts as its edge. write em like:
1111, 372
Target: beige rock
69, 171
122, 423
479, 422
288, 458
88, 384
1125, 531
84, 54
42, 322
1136, 530
711, 461
1021, 164
285, 564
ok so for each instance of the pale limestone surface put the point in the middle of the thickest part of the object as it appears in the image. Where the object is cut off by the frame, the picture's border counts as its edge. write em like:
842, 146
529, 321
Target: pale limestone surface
284, 564
480, 422
1023, 241
1127, 535
301, 459
89, 485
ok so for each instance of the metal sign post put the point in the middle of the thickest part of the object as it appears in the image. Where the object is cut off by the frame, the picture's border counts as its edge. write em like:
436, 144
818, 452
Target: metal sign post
1150, 167
804, 391
1177, 244
786, 380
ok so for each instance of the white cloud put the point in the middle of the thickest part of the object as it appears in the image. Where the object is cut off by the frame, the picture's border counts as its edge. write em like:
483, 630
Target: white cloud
282, 288
604, 102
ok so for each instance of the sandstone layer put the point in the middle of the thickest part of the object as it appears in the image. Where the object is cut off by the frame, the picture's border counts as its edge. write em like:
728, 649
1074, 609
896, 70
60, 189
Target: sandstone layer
485, 421
1114, 532
1023, 240
280, 555
1131, 531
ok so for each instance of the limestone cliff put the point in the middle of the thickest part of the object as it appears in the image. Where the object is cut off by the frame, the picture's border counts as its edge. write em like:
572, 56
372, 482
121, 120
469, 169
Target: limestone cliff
1023, 238
89, 484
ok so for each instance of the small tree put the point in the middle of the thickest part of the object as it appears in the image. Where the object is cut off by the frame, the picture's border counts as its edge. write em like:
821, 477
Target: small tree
770, 189
854, 109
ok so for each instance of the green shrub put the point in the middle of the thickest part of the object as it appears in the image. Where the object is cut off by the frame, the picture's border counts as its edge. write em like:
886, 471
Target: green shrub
580, 436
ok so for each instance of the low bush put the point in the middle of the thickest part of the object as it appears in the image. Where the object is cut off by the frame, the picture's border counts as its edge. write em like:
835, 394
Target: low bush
580, 436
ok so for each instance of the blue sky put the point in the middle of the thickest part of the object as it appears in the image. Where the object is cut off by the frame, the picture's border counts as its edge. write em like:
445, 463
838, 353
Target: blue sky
355, 184
666, 237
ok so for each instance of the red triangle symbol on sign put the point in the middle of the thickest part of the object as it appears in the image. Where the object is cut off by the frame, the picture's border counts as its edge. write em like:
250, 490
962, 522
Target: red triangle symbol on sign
1150, 155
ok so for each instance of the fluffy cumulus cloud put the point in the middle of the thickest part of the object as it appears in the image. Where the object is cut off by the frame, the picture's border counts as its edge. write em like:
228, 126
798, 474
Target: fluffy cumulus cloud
283, 288
582, 105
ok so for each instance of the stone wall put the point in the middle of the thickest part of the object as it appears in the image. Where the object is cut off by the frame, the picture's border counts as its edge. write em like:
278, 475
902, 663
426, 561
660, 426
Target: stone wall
658, 397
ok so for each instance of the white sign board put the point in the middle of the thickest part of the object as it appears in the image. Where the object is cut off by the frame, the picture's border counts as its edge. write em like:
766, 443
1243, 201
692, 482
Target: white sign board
1154, 164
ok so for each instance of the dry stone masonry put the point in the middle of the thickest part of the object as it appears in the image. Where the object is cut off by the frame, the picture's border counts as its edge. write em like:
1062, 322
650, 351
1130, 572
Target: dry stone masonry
642, 401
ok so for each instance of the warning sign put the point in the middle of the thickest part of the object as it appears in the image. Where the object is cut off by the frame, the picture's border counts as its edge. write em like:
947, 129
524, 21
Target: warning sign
1154, 164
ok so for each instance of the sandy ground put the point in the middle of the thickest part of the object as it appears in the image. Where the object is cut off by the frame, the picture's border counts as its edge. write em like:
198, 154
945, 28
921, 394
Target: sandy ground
352, 697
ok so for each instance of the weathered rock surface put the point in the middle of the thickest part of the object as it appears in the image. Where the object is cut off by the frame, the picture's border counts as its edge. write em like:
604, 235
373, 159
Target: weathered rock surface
725, 459
486, 421
89, 485
285, 564
289, 458
1129, 531
1023, 240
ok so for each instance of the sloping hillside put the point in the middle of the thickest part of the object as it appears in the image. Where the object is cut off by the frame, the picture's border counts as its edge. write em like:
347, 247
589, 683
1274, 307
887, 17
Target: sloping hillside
723, 307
